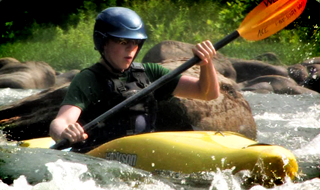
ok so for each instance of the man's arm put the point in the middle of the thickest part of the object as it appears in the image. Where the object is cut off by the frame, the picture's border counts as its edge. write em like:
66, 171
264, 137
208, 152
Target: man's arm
65, 125
206, 87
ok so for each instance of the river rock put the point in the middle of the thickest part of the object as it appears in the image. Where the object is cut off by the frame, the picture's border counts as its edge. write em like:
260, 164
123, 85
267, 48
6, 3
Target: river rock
274, 84
63, 78
313, 79
27, 75
30, 117
269, 57
169, 50
7, 60
230, 112
307, 74
250, 69
311, 61
246, 73
298, 73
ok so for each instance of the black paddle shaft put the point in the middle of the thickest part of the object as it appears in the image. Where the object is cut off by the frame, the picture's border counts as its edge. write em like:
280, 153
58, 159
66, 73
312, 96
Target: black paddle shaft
152, 87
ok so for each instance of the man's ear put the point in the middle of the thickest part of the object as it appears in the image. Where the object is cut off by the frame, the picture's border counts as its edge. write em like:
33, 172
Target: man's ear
104, 46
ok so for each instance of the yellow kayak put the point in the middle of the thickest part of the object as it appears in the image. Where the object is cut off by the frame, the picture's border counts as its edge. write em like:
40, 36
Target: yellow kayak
195, 151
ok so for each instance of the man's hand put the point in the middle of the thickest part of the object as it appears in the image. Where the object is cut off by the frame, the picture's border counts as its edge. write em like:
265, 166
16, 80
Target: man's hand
205, 51
74, 133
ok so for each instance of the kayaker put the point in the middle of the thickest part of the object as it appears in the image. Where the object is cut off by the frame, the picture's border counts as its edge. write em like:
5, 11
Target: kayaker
119, 35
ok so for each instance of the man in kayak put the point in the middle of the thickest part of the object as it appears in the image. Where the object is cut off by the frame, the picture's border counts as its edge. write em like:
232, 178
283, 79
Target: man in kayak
119, 34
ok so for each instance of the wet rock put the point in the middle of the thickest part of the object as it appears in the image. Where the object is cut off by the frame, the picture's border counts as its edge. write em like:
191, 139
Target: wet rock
63, 78
229, 112
275, 83
250, 69
299, 73
30, 117
27, 75
269, 57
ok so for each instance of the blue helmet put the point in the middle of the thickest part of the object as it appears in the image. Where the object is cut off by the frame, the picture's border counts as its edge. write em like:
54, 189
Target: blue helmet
118, 22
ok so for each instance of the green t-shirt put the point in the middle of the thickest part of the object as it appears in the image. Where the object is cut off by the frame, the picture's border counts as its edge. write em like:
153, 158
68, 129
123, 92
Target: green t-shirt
86, 89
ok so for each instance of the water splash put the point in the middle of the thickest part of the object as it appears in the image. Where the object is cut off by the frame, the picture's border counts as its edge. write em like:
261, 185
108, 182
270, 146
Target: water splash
9, 95
65, 176
225, 180
313, 147
75, 176
313, 184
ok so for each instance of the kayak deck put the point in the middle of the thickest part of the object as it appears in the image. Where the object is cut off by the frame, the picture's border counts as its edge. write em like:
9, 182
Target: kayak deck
195, 151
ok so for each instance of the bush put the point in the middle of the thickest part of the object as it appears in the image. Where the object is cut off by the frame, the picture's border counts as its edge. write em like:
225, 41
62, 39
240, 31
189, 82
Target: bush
63, 50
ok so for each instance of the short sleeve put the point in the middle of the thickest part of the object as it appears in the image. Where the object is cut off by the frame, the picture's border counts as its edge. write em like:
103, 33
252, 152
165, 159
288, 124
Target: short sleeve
79, 90
154, 72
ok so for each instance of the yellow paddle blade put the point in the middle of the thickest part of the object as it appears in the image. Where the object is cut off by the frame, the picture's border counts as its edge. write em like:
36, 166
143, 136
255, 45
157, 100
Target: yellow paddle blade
269, 17
45, 142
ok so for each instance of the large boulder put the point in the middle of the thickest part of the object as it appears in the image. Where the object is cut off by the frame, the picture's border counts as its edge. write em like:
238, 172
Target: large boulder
7, 60
230, 112
27, 75
250, 69
168, 51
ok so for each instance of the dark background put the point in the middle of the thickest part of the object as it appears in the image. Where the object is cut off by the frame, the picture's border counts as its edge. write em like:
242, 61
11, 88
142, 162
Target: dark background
17, 16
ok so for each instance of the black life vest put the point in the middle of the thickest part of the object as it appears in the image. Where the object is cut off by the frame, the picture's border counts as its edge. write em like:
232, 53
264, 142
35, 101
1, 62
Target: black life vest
139, 118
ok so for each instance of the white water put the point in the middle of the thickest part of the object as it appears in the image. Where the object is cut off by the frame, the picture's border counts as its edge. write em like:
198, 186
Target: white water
289, 121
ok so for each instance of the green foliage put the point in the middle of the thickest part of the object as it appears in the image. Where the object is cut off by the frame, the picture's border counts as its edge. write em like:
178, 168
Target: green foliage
71, 47
9, 34
64, 50
166, 20
231, 15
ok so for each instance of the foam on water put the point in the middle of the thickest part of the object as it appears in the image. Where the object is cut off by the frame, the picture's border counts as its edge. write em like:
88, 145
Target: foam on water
9, 95
313, 184
311, 148
309, 118
70, 176
289, 121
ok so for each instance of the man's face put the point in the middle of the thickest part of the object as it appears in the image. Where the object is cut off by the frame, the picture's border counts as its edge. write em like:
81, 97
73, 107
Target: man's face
120, 52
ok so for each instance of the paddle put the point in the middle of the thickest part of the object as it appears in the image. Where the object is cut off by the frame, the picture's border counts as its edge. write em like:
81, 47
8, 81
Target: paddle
267, 18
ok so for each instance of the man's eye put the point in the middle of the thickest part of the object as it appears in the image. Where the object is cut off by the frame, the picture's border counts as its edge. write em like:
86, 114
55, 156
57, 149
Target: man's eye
123, 42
